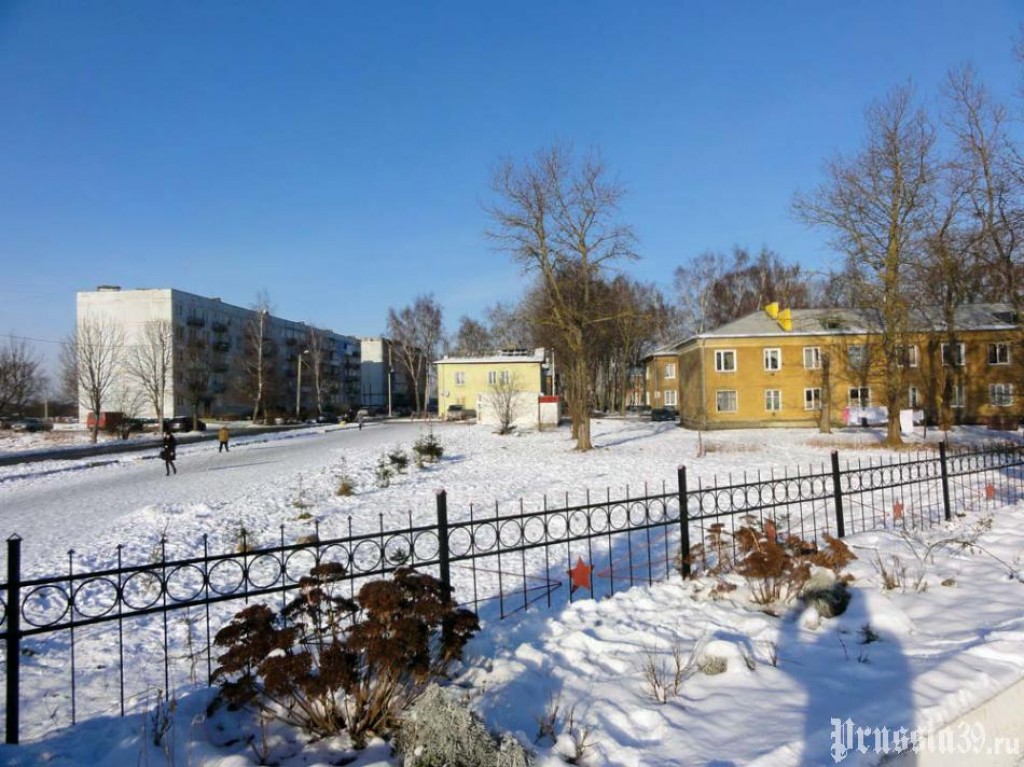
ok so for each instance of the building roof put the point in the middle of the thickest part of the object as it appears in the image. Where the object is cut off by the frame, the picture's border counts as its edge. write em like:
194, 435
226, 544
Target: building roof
504, 356
832, 322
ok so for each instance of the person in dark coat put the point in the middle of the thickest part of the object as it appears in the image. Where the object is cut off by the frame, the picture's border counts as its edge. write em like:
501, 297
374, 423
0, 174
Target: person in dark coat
168, 449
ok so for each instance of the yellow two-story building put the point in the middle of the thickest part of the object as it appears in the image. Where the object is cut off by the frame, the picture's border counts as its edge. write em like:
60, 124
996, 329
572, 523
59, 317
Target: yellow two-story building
794, 367
510, 383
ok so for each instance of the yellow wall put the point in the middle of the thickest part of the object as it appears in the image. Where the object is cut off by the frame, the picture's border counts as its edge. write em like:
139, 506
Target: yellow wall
700, 382
662, 384
527, 374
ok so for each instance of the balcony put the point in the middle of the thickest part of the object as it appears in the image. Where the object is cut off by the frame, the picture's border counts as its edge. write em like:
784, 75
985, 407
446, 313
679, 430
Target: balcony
219, 327
195, 321
221, 346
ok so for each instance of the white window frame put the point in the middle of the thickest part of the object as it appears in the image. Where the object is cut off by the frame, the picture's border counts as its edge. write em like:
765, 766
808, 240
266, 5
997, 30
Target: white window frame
1000, 358
861, 354
812, 399
460, 378
961, 358
670, 370
860, 399
908, 356
1000, 394
492, 377
735, 401
773, 359
815, 358
721, 355
670, 398
773, 400
913, 398
956, 396
505, 377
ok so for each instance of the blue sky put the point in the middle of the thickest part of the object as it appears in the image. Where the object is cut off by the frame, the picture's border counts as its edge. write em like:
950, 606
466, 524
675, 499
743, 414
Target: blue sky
337, 155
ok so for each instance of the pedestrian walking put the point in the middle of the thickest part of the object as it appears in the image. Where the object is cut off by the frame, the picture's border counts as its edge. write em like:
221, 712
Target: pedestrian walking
359, 420
168, 449
222, 437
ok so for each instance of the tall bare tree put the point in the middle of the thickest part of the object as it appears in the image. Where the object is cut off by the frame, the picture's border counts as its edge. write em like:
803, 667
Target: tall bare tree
21, 376
92, 360
694, 283
415, 332
879, 207
557, 217
506, 399
471, 339
318, 354
258, 358
149, 363
198, 369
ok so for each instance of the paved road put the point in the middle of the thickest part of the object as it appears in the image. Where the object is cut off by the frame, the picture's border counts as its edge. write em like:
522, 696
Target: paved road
58, 506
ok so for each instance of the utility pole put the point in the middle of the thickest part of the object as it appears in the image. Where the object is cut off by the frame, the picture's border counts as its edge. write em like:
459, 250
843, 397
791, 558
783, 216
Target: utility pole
390, 371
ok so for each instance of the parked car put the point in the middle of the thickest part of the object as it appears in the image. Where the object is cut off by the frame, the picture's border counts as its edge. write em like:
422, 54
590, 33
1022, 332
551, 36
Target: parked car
455, 413
183, 423
326, 418
664, 414
31, 424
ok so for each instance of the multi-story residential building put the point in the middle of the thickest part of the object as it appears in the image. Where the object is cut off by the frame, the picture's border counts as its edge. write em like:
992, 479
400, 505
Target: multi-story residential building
385, 382
788, 367
516, 379
661, 379
213, 347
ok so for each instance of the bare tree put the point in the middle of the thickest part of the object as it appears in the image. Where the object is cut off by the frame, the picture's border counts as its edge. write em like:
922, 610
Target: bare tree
506, 399
557, 218
415, 332
318, 353
879, 206
198, 369
92, 359
259, 350
694, 284
21, 376
508, 327
149, 363
471, 339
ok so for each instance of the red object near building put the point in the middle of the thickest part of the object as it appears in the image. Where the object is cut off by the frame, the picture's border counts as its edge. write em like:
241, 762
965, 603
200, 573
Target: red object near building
109, 419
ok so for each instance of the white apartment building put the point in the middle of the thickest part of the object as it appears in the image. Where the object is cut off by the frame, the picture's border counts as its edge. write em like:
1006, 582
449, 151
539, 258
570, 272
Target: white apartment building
385, 381
302, 364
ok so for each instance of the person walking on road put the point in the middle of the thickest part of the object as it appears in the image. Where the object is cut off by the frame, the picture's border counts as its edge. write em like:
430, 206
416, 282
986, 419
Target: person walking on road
359, 420
168, 449
222, 437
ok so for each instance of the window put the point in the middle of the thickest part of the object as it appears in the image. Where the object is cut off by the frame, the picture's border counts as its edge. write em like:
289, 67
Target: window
913, 398
725, 361
1000, 394
812, 399
907, 356
773, 359
725, 401
670, 398
670, 370
505, 377
460, 379
492, 377
956, 397
860, 396
812, 357
856, 355
772, 400
998, 354
957, 359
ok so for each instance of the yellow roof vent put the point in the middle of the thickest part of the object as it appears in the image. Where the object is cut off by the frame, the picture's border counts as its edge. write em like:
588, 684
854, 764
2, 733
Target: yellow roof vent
772, 309
785, 320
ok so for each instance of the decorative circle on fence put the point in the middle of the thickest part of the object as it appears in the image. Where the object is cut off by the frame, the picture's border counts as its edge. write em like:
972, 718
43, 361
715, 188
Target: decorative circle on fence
95, 597
45, 606
426, 545
510, 533
535, 531
264, 571
578, 523
367, 557
226, 577
298, 563
141, 590
186, 583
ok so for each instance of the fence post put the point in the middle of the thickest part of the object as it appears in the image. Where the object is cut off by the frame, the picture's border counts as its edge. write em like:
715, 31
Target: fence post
13, 648
945, 481
684, 523
442, 540
837, 493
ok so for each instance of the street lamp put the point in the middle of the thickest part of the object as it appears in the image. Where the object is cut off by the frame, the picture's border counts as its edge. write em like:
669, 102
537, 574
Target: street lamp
298, 382
391, 371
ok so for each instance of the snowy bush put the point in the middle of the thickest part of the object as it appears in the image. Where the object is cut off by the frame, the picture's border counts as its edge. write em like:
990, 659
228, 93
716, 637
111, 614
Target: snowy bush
427, 449
438, 732
399, 460
327, 663
828, 595
383, 472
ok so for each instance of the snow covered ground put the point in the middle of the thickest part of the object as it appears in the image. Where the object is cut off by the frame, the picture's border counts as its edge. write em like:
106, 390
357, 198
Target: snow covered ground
915, 656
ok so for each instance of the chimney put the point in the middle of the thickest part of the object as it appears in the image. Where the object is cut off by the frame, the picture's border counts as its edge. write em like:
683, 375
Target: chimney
772, 309
785, 320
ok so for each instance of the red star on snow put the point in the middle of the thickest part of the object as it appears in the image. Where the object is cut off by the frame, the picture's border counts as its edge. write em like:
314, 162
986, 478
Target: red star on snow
579, 575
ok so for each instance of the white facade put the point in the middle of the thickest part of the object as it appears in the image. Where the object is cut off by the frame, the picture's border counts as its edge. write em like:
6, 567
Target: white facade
223, 332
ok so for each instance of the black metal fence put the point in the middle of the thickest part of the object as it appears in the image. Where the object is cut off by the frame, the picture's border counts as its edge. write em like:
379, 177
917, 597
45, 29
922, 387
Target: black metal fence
498, 562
